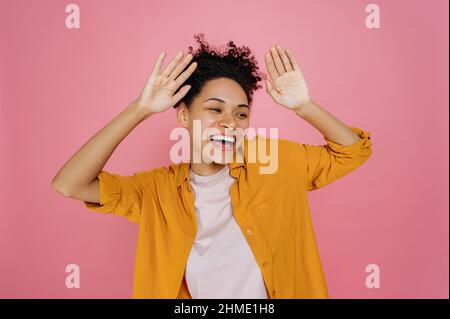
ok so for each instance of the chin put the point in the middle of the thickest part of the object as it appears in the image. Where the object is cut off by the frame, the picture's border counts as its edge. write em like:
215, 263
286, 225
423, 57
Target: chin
225, 159
220, 161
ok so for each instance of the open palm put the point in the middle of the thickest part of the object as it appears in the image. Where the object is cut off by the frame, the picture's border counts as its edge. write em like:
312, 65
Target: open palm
287, 85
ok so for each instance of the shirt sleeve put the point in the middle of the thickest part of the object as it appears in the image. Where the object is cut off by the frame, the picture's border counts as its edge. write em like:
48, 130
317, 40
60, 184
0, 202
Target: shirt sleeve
119, 195
323, 164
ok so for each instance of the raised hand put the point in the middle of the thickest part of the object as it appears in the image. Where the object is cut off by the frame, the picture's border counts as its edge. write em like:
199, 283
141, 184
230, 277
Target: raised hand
287, 85
158, 93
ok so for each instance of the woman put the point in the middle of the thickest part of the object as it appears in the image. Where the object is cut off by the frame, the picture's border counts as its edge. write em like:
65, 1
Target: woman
215, 227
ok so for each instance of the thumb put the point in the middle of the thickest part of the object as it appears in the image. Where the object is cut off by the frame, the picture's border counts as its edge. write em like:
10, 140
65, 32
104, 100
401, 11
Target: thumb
269, 88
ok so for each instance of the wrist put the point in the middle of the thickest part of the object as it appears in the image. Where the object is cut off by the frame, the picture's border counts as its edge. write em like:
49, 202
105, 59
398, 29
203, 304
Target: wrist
138, 110
303, 109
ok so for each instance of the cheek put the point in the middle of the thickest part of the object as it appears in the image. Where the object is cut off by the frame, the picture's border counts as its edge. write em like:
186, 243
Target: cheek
244, 124
208, 122
208, 125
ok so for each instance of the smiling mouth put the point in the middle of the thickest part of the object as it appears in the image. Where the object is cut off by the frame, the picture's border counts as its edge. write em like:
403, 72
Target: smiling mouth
223, 142
223, 139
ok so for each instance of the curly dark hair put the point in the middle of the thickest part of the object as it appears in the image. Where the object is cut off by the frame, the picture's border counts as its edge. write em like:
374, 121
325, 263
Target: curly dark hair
235, 63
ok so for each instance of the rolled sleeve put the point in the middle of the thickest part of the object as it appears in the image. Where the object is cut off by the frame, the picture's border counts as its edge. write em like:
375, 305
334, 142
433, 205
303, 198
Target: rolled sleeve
119, 195
327, 163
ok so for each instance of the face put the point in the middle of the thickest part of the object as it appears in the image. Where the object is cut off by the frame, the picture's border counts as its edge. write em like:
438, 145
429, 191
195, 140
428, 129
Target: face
221, 111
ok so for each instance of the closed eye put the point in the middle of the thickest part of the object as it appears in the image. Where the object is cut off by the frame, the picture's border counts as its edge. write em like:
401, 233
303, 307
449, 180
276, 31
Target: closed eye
240, 115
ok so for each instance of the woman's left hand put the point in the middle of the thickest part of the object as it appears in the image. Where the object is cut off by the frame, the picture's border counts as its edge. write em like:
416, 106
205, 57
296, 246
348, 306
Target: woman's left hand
287, 85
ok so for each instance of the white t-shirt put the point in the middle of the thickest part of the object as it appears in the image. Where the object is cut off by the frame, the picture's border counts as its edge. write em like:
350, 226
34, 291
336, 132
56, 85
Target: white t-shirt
221, 263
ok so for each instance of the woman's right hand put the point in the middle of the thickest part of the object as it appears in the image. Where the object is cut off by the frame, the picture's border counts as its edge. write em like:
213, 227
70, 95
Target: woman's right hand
158, 93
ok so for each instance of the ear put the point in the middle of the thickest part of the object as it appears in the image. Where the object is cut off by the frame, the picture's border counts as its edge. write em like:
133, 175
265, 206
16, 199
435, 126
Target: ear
183, 115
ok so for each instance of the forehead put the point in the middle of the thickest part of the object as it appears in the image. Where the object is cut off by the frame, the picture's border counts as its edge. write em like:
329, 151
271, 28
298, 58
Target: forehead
225, 89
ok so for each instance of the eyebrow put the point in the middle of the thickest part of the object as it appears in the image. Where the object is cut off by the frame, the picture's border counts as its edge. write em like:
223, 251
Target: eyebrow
222, 101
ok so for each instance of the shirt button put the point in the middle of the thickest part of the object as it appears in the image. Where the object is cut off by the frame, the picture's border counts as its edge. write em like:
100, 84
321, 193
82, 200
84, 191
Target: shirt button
249, 232
264, 264
274, 293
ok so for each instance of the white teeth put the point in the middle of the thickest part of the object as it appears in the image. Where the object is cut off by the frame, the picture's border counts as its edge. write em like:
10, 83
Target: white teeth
229, 139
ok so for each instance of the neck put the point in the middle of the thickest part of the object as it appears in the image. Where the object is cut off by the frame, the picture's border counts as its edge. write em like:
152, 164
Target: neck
205, 169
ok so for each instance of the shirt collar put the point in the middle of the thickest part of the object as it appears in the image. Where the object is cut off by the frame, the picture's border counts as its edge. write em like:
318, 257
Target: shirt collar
241, 161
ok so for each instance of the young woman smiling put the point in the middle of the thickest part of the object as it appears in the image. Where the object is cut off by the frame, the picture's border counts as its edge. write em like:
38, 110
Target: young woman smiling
216, 228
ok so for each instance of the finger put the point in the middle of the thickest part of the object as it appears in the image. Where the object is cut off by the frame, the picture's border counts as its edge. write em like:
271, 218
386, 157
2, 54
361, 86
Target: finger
271, 67
292, 59
180, 94
277, 60
172, 65
185, 75
268, 86
157, 66
180, 66
285, 59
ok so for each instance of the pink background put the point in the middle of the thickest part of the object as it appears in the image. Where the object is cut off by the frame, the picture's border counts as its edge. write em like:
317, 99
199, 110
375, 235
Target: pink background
60, 86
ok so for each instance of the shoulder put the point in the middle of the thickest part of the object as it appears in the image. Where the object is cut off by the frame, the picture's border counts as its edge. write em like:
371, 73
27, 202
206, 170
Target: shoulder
282, 142
284, 148
273, 155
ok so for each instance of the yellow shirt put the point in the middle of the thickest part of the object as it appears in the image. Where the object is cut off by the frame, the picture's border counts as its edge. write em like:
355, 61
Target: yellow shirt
271, 210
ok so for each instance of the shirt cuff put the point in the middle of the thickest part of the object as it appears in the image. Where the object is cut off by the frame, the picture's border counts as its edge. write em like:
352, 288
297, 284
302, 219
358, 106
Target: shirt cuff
109, 194
363, 143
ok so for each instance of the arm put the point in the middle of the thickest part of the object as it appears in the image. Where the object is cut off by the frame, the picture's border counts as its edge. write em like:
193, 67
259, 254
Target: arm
347, 147
327, 124
78, 178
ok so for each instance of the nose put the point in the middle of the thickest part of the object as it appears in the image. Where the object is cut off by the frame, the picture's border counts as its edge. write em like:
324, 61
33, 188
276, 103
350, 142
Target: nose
227, 121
